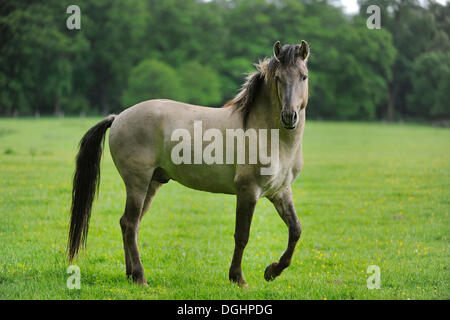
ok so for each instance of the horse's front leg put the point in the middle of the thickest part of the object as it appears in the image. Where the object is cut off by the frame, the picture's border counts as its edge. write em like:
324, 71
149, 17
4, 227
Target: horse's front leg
246, 201
285, 208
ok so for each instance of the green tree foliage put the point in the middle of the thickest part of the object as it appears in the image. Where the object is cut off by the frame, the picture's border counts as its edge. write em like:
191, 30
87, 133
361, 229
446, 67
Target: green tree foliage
360, 78
152, 79
199, 51
36, 57
415, 30
117, 33
192, 82
430, 96
201, 83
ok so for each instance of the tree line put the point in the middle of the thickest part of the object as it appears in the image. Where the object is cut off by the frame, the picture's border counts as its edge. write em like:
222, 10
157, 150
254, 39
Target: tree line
199, 51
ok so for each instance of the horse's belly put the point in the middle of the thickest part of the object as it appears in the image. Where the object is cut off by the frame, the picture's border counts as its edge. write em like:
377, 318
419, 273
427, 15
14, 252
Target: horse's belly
211, 178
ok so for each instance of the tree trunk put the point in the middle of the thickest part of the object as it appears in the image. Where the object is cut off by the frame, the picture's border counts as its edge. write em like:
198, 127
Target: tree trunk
390, 116
105, 100
57, 107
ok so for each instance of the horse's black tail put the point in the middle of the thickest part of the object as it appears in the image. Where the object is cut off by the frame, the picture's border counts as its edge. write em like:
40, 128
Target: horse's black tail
86, 181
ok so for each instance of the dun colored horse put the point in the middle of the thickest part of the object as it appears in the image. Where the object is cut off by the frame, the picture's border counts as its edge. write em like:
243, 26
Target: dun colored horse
273, 97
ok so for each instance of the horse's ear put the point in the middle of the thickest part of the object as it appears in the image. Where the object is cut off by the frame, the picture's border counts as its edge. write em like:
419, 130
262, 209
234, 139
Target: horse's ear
277, 50
303, 50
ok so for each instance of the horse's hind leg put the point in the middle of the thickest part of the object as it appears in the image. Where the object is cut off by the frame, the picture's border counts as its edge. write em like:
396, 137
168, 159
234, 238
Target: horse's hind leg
137, 188
152, 189
123, 226
285, 207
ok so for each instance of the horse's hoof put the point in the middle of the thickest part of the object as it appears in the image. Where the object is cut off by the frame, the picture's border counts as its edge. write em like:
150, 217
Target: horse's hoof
237, 279
141, 282
139, 279
269, 273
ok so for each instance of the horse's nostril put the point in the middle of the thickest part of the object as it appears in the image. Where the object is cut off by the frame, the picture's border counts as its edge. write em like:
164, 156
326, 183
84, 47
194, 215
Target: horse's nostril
294, 117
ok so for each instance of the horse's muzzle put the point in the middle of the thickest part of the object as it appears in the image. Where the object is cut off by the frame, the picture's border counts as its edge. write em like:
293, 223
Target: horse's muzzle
289, 119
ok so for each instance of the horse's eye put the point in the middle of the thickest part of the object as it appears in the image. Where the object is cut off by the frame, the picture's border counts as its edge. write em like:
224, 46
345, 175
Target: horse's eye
304, 77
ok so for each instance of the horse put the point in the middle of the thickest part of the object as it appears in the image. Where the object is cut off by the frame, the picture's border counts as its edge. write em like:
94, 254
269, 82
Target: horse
274, 96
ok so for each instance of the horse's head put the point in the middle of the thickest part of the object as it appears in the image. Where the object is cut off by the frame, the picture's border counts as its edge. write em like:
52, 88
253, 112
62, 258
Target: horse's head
291, 80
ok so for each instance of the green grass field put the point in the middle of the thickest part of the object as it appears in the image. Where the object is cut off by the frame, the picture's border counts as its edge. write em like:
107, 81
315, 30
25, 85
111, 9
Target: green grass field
369, 194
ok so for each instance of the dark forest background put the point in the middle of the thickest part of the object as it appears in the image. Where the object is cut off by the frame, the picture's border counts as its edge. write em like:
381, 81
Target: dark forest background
199, 51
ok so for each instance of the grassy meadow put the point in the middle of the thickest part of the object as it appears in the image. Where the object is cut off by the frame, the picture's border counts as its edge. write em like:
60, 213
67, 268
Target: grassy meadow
369, 194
